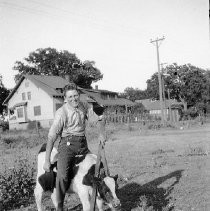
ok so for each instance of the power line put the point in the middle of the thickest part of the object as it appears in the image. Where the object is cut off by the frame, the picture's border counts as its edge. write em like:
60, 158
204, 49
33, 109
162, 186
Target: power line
78, 17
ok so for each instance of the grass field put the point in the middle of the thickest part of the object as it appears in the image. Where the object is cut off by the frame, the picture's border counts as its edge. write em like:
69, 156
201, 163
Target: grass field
166, 169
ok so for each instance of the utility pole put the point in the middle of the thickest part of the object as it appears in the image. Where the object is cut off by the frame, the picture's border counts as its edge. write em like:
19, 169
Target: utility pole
170, 113
163, 89
156, 42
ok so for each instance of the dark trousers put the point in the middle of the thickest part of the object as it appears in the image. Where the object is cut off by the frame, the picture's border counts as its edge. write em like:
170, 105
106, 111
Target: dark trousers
68, 148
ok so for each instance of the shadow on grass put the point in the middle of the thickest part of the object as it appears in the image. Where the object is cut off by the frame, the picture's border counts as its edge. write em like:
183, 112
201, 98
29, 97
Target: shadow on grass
157, 197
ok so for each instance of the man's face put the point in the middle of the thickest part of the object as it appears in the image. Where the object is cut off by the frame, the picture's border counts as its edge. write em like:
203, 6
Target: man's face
72, 98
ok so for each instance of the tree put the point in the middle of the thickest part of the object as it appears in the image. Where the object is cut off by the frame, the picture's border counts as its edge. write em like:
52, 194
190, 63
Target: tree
134, 94
49, 61
187, 84
207, 75
4, 92
153, 87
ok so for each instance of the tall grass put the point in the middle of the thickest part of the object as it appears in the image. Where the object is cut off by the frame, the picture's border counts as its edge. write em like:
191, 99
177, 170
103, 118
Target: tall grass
17, 182
22, 139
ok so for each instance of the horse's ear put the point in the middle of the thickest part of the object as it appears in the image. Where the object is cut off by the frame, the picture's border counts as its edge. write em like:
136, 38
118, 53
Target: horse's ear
115, 177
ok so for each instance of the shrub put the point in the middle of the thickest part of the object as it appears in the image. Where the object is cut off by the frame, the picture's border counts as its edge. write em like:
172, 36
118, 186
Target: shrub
154, 125
191, 113
4, 125
17, 185
12, 141
33, 125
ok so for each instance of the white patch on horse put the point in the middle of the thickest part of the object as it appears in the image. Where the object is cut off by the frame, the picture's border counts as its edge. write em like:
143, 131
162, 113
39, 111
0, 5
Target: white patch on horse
111, 184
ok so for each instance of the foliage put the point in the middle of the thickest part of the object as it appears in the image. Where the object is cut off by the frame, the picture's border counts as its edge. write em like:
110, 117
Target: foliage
138, 108
4, 92
115, 109
49, 61
19, 139
186, 83
190, 113
4, 125
33, 125
17, 184
134, 94
153, 87
12, 141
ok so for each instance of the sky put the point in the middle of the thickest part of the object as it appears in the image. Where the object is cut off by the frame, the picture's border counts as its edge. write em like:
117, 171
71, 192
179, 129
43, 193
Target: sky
116, 34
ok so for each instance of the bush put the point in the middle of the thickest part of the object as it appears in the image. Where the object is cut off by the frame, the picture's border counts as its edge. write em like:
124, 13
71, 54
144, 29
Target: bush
4, 125
12, 141
33, 125
17, 185
191, 113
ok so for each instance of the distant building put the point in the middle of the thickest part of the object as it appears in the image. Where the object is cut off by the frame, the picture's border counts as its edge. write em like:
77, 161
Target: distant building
154, 108
110, 100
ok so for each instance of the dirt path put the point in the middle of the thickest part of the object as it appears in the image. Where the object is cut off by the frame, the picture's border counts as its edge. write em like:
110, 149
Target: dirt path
158, 170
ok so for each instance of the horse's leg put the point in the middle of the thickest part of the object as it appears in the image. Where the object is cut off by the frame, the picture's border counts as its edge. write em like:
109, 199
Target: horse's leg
99, 203
53, 197
38, 196
84, 198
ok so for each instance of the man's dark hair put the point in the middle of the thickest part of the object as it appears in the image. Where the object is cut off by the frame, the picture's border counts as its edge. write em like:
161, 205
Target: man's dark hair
70, 86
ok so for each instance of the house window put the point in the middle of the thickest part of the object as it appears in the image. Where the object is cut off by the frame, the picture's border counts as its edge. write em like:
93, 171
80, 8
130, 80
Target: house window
26, 84
20, 112
58, 105
37, 110
23, 96
29, 95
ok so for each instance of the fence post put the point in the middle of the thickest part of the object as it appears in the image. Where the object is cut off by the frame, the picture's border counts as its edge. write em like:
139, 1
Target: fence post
37, 128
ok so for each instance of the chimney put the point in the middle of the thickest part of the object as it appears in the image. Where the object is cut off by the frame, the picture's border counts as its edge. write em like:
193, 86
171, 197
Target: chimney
96, 87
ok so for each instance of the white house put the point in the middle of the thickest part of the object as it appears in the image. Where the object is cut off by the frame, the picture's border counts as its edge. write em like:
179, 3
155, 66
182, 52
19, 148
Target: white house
36, 98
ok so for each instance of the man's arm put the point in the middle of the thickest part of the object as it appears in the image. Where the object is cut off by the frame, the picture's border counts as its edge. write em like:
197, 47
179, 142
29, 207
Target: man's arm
50, 144
54, 132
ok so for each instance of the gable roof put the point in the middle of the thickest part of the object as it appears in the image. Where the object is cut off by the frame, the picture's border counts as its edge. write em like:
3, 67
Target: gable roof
95, 94
155, 105
50, 81
47, 83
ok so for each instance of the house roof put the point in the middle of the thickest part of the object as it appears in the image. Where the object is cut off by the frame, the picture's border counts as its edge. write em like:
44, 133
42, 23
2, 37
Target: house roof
51, 81
95, 94
155, 105
47, 83
105, 91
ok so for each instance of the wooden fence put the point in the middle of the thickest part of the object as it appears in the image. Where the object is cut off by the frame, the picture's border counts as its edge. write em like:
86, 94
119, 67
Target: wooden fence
128, 118
148, 120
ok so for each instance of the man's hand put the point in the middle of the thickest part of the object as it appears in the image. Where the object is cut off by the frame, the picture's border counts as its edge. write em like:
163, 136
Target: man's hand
46, 166
100, 117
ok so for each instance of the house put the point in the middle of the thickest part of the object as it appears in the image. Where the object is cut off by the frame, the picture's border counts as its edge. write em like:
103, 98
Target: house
36, 98
110, 100
154, 108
